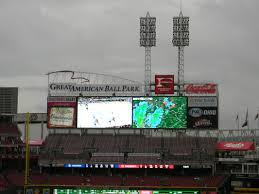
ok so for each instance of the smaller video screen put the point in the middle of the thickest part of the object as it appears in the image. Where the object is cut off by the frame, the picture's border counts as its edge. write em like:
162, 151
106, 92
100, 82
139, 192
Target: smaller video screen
59, 117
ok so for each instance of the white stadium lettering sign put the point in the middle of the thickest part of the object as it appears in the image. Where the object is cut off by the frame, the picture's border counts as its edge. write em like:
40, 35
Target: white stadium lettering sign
90, 89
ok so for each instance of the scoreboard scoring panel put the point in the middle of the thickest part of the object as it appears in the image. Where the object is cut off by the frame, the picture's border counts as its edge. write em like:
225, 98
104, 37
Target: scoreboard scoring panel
113, 191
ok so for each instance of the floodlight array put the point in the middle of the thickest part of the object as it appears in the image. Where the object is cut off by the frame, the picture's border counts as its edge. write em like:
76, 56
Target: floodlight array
180, 31
147, 31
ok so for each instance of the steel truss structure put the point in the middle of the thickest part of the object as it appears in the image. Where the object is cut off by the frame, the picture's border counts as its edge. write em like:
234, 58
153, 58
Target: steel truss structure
147, 40
180, 39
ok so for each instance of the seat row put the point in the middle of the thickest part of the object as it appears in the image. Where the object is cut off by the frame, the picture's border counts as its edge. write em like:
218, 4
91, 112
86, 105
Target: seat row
128, 180
73, 143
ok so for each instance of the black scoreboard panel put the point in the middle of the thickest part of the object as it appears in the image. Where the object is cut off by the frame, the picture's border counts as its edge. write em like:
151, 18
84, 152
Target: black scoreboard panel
114, 191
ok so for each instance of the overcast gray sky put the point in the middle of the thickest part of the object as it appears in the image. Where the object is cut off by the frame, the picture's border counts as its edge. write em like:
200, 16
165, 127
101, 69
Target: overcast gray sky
102, 36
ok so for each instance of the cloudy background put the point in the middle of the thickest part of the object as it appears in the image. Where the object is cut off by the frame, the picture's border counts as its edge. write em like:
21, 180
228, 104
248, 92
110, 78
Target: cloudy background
102, 36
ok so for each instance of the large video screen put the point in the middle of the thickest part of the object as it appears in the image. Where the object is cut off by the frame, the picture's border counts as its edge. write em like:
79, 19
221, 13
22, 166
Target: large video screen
61, 117
104, 112
160, 112
114, 191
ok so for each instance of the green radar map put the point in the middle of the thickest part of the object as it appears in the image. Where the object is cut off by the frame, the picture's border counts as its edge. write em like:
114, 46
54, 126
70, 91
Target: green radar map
160, 112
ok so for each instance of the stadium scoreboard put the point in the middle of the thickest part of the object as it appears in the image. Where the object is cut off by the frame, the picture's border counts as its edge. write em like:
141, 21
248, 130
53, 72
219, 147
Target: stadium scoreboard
135, 112
156, 112
111, 191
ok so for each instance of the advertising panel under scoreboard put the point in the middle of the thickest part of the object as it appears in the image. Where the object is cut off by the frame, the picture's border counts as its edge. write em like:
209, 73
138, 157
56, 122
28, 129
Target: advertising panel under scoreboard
203, 117
117, 191
202, 112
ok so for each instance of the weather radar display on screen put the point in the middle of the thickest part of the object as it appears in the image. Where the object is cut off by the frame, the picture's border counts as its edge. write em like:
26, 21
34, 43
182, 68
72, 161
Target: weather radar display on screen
160, 112
104, 112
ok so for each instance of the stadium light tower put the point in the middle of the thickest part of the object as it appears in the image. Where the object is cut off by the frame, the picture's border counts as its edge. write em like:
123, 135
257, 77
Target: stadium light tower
180, 39
147, 40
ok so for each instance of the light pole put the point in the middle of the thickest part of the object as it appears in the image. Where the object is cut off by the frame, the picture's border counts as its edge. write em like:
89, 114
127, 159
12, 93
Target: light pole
180, 39
147, 40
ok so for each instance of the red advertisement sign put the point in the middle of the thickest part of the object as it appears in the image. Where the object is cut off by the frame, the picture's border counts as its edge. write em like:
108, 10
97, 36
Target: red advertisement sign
72, 104
235, 146
203, 88
164, 84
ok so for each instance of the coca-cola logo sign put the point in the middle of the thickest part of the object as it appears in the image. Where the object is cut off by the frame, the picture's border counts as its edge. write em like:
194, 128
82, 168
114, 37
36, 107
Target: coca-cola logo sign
208, 88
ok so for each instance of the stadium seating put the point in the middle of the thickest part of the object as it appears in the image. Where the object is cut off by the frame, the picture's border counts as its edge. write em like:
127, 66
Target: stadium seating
131, 180
9, 129
52, 141
106, 159
66, 180
143, 160
38, 178
105, 144
16, 178
106, 180
72, 145
184, 148
3, 183
212, 181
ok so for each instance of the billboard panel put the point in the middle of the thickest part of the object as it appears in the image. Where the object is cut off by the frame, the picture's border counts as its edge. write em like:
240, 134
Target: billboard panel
61, 112
164, 84
160, 112
235, 146
61, 117
202, 101
201, 89
202, 117
104, 112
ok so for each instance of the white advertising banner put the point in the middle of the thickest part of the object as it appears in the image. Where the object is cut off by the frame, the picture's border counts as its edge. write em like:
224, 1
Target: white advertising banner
202, 101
